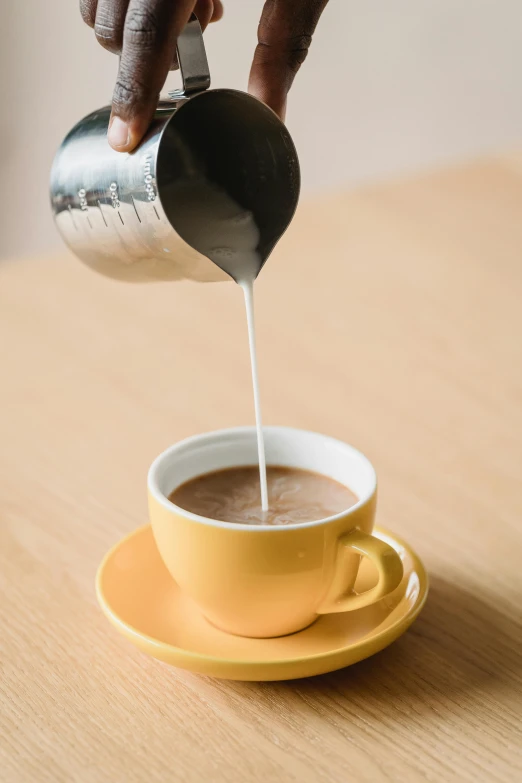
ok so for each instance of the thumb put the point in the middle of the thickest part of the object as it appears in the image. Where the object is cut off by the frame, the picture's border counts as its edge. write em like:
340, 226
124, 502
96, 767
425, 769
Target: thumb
284, 36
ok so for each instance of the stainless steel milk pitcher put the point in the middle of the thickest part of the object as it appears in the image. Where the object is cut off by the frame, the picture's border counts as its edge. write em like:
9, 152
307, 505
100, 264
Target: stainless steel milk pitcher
205, 196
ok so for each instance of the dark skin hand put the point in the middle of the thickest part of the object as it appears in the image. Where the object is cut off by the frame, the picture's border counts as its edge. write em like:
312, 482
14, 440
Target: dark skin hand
144, 34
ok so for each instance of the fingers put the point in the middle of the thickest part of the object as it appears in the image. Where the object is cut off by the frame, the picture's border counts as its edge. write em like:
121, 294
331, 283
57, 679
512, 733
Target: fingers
88, 11
218, 11
208, 11
204, 10
109, 22
149, 38
284, 34
145, 33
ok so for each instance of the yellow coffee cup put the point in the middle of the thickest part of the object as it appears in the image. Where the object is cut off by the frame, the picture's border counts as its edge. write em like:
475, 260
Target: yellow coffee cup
261, 580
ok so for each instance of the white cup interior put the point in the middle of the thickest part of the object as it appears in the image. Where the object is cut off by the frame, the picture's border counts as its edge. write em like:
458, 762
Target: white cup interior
283, 445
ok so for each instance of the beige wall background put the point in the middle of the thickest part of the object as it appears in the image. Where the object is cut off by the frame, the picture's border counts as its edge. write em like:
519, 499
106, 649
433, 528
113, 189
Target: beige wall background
390, 86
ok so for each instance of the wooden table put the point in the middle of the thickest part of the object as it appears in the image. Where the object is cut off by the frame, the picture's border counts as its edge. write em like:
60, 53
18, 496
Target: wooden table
390, 317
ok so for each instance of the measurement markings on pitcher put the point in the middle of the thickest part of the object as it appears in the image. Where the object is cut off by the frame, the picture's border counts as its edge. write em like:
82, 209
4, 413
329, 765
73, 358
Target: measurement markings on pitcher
72, 216
82, 195
135, 208
115, 196
148, 178
101, 210
115, 199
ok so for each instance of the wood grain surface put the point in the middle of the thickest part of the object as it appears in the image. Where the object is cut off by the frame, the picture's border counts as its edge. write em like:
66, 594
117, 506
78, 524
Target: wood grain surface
390, 317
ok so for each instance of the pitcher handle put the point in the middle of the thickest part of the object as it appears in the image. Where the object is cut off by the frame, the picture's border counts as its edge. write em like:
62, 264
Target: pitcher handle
192, 59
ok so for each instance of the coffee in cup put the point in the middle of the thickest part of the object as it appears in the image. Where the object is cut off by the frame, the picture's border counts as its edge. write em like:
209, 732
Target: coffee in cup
233, 495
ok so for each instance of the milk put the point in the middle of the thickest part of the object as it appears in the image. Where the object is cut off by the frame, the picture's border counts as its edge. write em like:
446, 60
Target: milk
230, 238
248, 291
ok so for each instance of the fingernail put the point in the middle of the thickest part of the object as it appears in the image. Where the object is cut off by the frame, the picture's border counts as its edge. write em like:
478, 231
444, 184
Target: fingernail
118, 134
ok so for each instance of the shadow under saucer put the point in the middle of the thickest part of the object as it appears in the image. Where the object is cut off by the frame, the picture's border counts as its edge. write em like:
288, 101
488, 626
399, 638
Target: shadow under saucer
462, 643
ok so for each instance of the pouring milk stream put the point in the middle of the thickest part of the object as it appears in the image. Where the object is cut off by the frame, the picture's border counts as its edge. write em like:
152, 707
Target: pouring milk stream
231, 240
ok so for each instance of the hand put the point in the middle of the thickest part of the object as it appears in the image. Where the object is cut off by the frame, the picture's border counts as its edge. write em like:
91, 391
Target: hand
284, 36
144, 33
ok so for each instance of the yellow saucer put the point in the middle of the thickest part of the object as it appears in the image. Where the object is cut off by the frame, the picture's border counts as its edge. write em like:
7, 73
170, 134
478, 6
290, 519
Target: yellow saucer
141, 599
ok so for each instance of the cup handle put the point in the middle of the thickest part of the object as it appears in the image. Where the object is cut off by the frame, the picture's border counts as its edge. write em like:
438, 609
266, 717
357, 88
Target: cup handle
384, 557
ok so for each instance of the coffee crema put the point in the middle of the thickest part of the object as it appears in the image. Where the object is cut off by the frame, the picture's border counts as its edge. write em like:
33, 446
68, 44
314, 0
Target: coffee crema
233, 495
